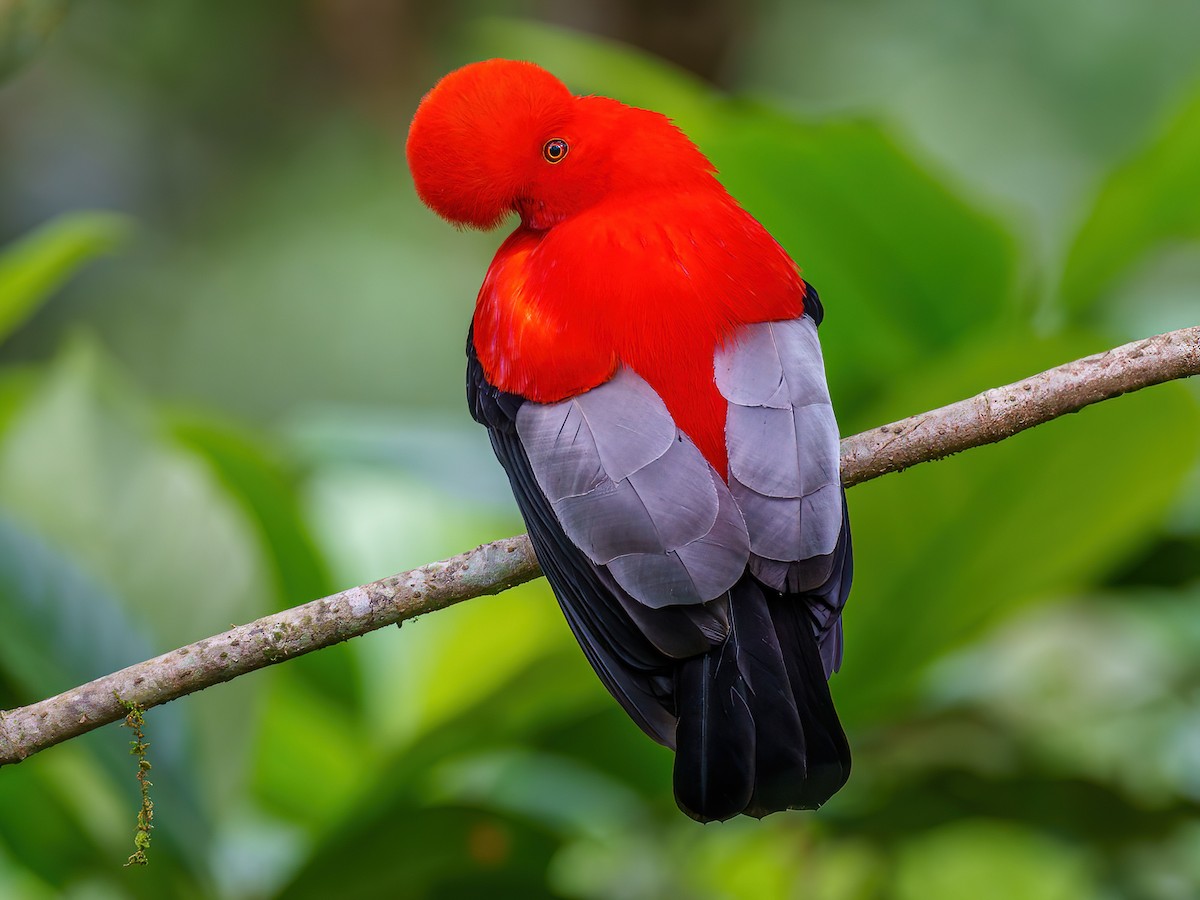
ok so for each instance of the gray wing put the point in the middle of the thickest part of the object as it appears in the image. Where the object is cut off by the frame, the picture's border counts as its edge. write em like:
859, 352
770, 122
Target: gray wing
782, 439
634, 494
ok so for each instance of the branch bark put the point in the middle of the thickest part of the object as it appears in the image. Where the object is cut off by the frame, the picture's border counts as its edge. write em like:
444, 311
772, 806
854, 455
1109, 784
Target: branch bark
984, 419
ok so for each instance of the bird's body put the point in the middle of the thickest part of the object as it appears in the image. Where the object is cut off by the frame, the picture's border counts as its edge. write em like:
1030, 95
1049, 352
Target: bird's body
644, 356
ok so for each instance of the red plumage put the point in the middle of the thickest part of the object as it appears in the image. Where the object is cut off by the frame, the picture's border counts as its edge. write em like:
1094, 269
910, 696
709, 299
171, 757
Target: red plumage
631, 256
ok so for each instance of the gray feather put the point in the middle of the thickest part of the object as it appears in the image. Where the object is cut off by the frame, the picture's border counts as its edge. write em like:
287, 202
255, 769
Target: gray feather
609, 521
796, 577
711, 557
634, 494
656, 579
750, 372
679, 495
782, 439
762, 444
603, 434
629, 423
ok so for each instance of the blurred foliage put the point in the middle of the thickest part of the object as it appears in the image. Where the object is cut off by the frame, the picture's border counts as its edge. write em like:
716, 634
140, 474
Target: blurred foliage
31, 269
1149, 202
254, 398
24, 26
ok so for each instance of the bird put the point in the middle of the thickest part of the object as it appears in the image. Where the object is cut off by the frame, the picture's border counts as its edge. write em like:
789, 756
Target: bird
645, 359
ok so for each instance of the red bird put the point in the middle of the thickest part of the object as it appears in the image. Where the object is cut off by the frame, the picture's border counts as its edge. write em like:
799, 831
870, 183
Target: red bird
644, 356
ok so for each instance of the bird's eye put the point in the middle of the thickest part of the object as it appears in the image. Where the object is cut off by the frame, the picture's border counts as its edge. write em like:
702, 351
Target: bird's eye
554, 150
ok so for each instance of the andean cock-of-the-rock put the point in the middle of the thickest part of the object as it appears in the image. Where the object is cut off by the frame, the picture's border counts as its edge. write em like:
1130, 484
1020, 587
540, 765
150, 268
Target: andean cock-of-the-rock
644, 356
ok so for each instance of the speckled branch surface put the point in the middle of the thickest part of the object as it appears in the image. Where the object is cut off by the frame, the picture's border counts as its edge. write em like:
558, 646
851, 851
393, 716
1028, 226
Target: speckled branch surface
1004, 411
989, 417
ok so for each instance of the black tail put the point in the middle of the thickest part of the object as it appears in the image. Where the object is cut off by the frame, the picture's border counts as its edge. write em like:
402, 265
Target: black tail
757, 729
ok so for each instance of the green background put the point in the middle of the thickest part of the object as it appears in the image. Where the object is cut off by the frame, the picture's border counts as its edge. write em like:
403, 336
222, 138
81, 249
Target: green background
231, 381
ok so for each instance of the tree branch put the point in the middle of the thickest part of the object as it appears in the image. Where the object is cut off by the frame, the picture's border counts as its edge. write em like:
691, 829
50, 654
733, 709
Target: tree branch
987, 418
1004, 411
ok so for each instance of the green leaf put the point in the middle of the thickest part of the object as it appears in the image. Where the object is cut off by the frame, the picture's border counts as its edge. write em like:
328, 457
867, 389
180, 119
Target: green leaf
905, 268
945, 549
1148, 202
312, 756
998, 860
85, 464
265, 486
58, 626
35, 266
17, 383
47, 838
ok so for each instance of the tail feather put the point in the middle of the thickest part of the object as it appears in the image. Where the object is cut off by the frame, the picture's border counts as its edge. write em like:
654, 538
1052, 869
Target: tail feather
827, 750
779, 749
757, 731
714, 756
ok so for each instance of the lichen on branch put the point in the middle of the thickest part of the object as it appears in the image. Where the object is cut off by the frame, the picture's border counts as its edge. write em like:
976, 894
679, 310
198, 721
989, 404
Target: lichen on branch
135, 719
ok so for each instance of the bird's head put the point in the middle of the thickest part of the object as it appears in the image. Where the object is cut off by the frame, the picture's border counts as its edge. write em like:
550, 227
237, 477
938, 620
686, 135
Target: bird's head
501, 136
